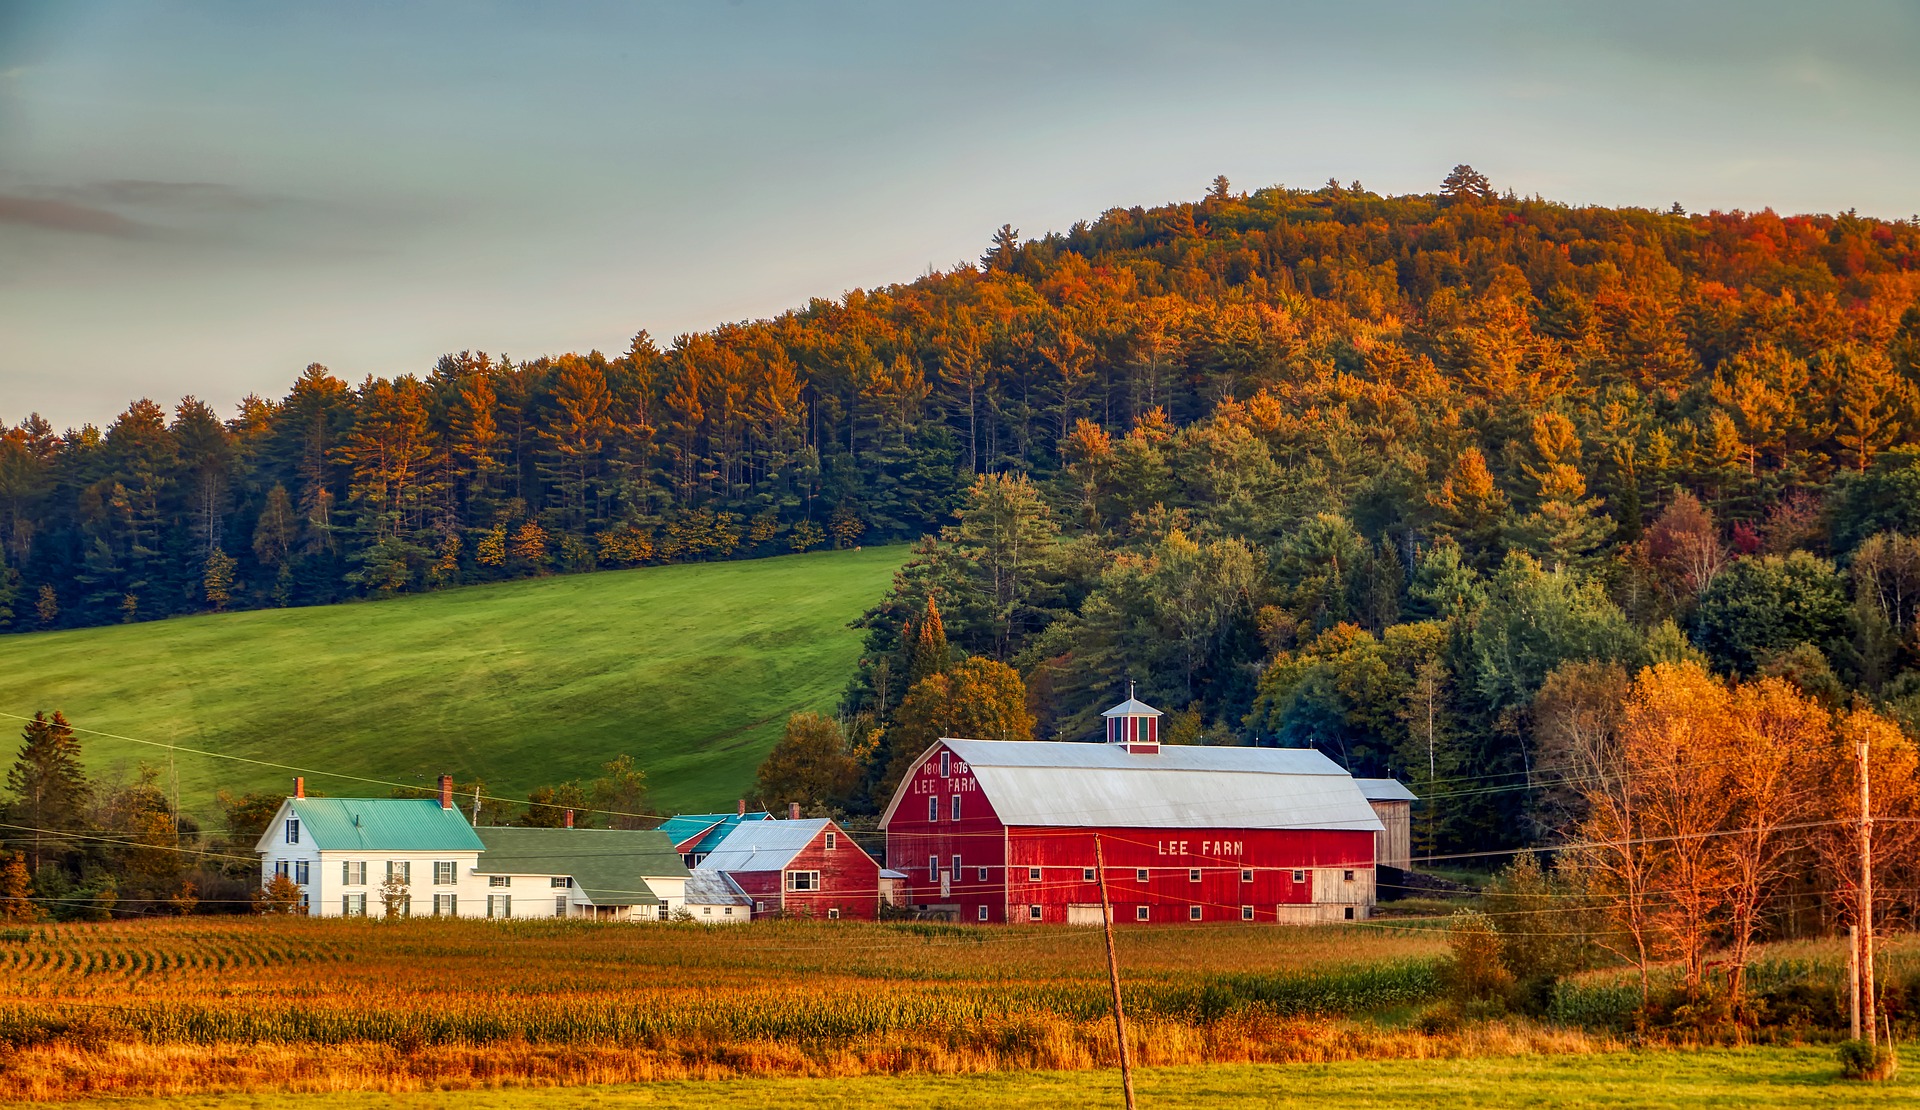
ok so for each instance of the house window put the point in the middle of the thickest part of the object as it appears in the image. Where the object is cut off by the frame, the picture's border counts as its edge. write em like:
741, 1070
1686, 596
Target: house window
1347, 876
728, 911
1033, 913
560, 881
1193, 875
282, 869
833, 840
706, 911
803, 880
933, 869
933, 809
1139, 913
1299, 876
1246, 874
983, 874
446, 905
499, 880
1349, 913
353, 873
400, 871
833, 913
946, 764
1087, 875
981, 915
400, 907
560, 906
1193, 913
956, 867
499, 905
1033, 874
759, 906
300, 873
956, 807
1246, 913
1140, 875
443, 873
353, 905
293, 830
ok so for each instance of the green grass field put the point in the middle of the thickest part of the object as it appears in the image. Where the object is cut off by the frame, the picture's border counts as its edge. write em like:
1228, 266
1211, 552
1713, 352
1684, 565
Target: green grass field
690, 669
1761, 1079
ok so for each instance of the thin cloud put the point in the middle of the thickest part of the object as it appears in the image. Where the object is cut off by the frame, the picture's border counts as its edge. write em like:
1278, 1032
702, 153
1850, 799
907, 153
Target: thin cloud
60, 215
203, 196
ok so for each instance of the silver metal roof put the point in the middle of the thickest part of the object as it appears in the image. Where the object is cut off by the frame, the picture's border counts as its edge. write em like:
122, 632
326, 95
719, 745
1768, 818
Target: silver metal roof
1133, 707
1386, 790
707, 887
1042, 783
763, 845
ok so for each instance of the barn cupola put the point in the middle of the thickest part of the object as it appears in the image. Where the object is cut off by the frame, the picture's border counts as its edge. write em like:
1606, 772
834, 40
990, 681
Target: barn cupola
1135, 724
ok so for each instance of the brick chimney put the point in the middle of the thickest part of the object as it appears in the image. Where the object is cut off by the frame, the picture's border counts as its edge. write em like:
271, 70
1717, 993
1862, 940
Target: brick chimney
299, 786
793, 811
446, 791
569, 818
743, 807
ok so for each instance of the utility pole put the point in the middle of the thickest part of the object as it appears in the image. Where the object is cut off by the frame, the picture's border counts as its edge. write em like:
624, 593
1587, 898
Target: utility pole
1865, 912
1853, 981
1113, 971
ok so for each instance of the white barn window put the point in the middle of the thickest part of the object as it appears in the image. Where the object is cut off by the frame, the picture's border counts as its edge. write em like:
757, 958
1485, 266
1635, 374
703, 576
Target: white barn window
1139, 913
1193, 913
803, 880
956, 807
933, 809
1033, 913
1246, 913
982, 915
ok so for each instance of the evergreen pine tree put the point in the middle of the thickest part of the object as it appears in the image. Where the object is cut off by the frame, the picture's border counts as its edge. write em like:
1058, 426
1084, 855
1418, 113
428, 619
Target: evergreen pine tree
49, 786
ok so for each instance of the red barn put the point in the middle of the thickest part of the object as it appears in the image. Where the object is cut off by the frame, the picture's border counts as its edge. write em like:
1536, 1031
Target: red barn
800, 868
1004, 831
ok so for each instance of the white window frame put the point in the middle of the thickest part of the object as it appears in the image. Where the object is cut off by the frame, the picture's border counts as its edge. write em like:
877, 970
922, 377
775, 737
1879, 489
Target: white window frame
446, 872
1246, 913
302, 872
401, 869
1193, 913
956, 807
933, 809
504, 902
1299, 876
946, 764
498, 881
1246, 874
1140, 913
981, 915
833, 913
283, 869
1087, 875
958, 871
446, 905
353, 872
833, 841
1346, 876
1033, 874
1140, 875
1033, 911
933, 869
292, 830
559, 882
803, 882
353, 905
982, 872
560, 906
1193, 874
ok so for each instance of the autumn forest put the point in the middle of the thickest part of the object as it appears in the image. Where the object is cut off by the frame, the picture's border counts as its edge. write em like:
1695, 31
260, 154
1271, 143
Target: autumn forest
1310, 466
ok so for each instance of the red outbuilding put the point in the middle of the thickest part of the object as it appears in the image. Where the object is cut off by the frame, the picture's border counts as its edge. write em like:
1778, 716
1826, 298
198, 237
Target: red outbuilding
1006, 831
803, 868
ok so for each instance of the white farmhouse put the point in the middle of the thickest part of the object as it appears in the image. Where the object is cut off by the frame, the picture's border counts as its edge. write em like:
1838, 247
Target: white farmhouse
350, 856
713, 898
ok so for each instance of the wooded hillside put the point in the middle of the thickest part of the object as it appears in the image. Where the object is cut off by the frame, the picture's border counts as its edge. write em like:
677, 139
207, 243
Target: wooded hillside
1315, 466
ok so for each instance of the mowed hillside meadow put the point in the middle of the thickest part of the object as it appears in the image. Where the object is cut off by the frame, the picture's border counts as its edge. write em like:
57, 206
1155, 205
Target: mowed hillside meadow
691, 669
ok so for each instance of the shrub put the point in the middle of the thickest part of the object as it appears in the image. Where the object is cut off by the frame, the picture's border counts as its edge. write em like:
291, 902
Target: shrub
1475, 971
1861, 1060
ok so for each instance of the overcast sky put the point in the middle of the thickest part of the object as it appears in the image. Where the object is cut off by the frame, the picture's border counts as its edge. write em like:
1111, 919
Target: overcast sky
203, 198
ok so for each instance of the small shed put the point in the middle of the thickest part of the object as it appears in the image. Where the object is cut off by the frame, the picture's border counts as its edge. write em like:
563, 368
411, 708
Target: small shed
800, 868
714, 899
1393, 802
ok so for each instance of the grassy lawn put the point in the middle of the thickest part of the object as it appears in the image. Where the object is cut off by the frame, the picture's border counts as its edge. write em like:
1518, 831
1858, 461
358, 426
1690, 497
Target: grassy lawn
1717, 1079
690, 669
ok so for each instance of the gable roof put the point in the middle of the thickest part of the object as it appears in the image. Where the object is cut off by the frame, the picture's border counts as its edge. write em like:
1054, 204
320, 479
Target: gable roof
708, 887
610, 866
1032, 782
1133, 707
702, 832
376, 825
764, 845
1386, 790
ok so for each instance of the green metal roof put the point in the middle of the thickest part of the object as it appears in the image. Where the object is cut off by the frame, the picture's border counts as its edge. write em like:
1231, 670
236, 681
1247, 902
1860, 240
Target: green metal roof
610, 866
383, 825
